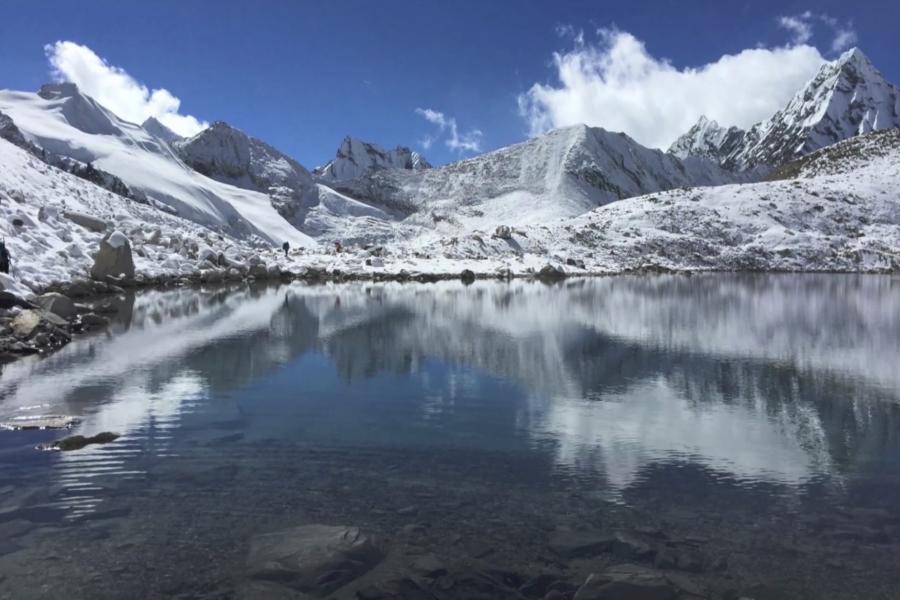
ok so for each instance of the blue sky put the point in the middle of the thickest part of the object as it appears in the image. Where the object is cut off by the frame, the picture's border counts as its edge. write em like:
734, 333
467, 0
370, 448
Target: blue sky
302, 75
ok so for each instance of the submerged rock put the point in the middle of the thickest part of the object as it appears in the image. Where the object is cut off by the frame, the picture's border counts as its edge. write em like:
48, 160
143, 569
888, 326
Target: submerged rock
627, 582
315, 559
77, 442
580, 544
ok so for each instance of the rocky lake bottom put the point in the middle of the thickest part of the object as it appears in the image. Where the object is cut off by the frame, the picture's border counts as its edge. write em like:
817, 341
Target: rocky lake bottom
710, 436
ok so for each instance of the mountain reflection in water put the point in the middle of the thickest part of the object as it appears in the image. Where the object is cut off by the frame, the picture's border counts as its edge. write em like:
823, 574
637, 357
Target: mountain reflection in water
777, 378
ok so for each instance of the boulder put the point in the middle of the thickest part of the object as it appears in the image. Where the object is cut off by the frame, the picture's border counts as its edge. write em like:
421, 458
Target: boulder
153, 237
551, 273
86, 221
259, 271
467, 276
314, 559
47, 212
58, 304
25, 323
113, 260
9, 300
504, 232
212, 275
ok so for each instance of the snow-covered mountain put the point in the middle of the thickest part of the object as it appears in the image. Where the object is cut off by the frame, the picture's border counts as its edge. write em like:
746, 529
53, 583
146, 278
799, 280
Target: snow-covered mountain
355, 158
847, 97
708, 139
63, 121
560, 174
230, 156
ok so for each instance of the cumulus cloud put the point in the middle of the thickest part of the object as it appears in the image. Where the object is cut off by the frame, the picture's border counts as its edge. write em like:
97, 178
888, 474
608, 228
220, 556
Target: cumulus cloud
118, 91
469, 141
615, 83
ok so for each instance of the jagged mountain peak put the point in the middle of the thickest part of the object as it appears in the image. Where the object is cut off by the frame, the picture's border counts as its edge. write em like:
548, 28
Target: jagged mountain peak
355, 158
155, 128
80, 110
845, 98
58, 90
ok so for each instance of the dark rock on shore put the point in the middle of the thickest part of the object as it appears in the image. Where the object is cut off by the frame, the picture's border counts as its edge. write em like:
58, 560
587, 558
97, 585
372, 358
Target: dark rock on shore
467, 276
93, 322
9, 300
551, 273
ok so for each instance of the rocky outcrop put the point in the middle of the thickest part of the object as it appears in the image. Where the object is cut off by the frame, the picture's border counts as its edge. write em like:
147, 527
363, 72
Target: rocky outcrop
86, 221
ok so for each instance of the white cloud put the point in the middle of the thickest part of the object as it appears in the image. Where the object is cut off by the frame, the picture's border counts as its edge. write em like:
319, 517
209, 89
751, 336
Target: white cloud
616, 84
117, 90
844, 37
469, 141
800, 26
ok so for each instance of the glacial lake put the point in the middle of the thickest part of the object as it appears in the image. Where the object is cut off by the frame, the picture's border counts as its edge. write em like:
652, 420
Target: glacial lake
754, 419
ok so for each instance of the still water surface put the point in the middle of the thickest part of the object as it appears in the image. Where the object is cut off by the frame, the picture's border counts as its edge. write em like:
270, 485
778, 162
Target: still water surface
760, 412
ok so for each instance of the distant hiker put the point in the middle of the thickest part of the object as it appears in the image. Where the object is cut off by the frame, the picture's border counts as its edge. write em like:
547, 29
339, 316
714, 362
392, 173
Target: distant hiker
285, 246
4, 258
337, 247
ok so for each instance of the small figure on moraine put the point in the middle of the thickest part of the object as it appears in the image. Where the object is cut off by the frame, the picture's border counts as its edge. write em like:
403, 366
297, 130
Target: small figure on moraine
286, 246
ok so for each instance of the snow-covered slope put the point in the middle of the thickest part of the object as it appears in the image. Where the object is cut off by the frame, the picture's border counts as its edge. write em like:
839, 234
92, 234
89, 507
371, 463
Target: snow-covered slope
355, 158
847, 97
560, 174
843, 214
63, 121
47, 247
160, 131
